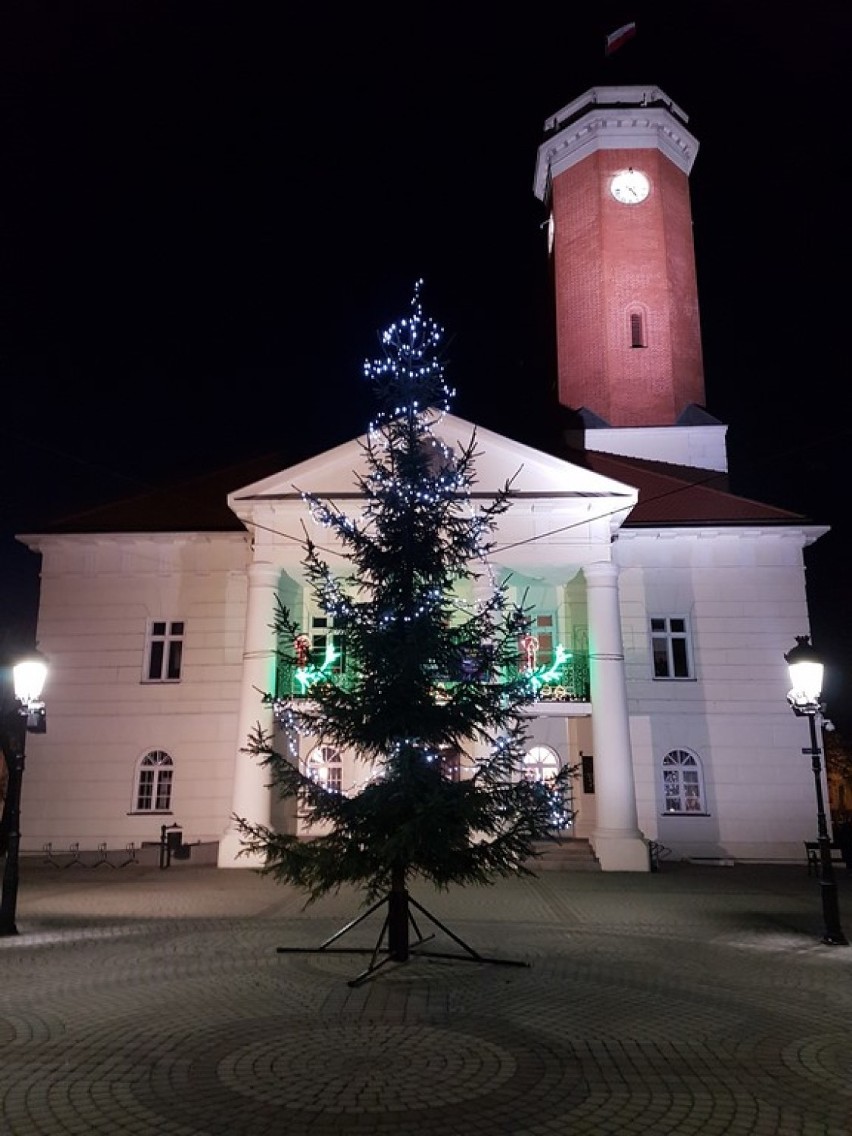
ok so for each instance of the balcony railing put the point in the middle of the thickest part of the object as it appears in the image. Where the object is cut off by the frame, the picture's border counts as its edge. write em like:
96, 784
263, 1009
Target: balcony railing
566, 679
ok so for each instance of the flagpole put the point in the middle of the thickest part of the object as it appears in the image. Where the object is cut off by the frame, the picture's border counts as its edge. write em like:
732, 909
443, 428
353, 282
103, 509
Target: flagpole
619, 37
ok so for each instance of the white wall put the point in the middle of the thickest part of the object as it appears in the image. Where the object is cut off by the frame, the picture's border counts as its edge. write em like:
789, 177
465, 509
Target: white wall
97, 595
743, 591
744, 595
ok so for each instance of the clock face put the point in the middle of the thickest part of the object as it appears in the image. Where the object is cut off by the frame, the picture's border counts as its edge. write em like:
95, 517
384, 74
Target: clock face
630, 187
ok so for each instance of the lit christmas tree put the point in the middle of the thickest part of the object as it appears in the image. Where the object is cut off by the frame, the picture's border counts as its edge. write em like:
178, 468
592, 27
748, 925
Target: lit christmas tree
431, 680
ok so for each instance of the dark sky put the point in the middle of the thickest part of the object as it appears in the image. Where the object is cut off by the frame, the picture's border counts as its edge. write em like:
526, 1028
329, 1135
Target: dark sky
210, 209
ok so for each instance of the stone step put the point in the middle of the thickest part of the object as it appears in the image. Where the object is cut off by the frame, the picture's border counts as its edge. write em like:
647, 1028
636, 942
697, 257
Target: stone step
568, 855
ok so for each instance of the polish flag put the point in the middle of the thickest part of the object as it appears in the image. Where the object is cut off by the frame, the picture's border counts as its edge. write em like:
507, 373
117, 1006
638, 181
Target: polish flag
621, 35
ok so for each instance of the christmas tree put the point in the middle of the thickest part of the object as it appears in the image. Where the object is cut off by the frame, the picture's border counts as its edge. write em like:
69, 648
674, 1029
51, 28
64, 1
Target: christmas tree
432, 677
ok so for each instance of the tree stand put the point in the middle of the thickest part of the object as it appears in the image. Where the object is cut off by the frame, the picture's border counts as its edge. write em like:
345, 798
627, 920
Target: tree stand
395, 930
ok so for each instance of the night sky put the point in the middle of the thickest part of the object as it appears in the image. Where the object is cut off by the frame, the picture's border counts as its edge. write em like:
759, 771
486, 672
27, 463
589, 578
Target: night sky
210, 209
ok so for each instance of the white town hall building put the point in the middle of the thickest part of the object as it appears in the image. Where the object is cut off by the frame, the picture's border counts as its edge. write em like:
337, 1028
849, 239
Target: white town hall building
664, 602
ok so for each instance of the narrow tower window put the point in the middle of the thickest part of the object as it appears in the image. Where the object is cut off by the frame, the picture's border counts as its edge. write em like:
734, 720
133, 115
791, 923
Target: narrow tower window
637, 330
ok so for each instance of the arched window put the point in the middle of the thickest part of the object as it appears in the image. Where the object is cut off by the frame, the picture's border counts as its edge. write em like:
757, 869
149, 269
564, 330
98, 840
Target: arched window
154, 779
541, 765
683, 784
324, 765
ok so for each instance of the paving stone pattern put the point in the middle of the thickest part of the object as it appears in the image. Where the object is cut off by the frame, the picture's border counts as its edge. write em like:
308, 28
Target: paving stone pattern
696, 1001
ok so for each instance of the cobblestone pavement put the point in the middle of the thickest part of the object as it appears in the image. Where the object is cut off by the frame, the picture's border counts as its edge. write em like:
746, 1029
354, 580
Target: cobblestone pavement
695, 1000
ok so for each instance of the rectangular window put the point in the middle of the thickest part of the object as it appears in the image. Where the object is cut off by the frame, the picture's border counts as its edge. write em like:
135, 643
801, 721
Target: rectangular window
324, 637
536, 648
165, 651
670, 646
145, 790
154, 793
164, 790
450, 763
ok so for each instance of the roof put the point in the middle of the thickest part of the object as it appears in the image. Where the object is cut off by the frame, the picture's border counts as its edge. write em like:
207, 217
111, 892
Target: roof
683, 495
669, 495
198, 504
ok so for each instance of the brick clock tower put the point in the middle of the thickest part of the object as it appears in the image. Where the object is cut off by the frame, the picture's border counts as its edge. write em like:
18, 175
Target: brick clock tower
614, 171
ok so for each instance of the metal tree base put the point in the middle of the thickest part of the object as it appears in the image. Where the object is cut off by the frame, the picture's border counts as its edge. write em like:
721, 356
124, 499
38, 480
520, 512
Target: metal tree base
383, 948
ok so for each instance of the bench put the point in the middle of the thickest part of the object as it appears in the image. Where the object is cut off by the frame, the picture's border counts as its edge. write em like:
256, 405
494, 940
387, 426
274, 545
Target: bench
812, 853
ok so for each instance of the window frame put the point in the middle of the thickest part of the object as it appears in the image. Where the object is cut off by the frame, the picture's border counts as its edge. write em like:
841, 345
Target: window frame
671, 636
168, 644
162, 772
636, 322
327, 760
543, 628
675, 761
450, 758
541, 765
538, 761
323, 632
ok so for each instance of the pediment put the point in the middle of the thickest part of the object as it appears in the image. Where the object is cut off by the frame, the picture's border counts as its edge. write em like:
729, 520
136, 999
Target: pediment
533, 473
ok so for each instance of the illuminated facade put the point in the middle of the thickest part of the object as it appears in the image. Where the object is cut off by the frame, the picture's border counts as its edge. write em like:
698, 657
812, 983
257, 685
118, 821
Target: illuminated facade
662, 603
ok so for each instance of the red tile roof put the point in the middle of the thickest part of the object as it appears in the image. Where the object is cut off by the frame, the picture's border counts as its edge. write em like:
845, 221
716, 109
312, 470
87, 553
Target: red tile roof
682, 495
198, 504
668, 495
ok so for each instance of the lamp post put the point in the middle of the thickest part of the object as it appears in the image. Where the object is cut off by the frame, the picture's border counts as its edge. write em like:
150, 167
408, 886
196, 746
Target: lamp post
26, 715
806, 671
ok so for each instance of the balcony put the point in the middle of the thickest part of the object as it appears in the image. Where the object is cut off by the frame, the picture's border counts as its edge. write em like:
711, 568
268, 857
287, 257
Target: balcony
564, 679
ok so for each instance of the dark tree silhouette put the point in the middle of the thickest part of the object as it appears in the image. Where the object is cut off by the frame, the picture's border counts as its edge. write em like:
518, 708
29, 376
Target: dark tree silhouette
427, 675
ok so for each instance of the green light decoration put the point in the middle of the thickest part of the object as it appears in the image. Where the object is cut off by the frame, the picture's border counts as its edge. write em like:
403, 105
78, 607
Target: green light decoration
310, 675
539, 677
546, 675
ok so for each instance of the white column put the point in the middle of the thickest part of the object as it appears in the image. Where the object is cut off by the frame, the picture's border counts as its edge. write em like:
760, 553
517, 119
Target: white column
617, 841
251, 797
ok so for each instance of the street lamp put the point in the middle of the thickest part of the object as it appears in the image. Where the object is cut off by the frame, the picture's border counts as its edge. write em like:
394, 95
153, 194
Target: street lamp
806, 671
27, 715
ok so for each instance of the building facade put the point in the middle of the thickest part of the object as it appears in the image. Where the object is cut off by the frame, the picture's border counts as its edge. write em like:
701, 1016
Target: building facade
663, 604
